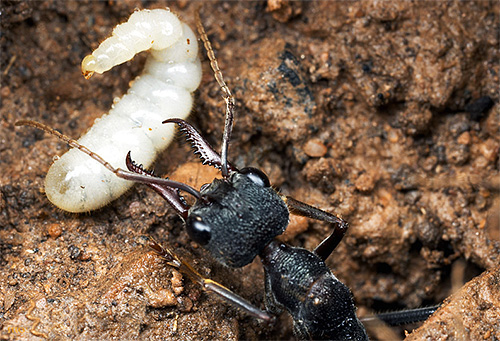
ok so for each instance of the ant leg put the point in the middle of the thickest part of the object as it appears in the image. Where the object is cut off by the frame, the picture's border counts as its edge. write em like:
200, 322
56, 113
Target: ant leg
171, 195
226, 94
326, 247
201, 147
209, 285
397, 318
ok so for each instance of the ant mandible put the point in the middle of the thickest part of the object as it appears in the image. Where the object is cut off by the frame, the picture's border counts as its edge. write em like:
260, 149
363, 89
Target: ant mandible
237, 218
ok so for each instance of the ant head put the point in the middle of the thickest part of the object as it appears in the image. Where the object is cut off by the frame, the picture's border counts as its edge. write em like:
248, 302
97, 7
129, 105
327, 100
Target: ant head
236, 217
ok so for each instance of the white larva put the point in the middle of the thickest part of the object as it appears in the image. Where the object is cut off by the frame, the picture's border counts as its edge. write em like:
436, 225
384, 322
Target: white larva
77, 183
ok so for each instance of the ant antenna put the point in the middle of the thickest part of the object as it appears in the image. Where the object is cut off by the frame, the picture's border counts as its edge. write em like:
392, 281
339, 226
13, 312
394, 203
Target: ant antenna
118, 171
226, 94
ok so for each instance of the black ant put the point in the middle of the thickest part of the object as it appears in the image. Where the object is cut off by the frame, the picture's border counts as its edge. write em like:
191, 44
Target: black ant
237, 218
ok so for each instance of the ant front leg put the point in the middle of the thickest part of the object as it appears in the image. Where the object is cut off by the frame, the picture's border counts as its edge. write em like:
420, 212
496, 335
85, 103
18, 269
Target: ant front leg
209, 285
326, 247
170, 194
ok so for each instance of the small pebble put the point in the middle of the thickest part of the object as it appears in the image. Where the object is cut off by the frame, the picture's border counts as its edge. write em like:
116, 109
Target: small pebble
5, 91
54, 230
464, 138
161, 298
185, 304
489, 149
315, 148
176, 282
392, 136
365, 182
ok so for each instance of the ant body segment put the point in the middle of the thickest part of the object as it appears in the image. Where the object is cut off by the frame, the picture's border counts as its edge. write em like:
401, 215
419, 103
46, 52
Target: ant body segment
237, 218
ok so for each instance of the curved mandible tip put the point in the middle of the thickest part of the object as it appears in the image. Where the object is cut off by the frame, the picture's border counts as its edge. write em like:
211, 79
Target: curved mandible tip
201, 146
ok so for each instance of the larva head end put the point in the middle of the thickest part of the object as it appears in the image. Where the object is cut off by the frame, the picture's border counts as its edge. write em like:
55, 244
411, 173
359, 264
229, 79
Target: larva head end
88, 66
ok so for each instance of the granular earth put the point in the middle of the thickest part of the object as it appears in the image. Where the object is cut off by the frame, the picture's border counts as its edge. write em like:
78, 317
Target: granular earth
385, 113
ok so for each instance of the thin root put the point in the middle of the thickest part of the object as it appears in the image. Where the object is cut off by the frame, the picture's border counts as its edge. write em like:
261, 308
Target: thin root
36, 321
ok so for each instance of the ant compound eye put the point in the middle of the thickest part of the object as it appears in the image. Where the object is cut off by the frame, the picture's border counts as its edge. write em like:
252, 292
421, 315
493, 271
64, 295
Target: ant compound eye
257, 176
198, 230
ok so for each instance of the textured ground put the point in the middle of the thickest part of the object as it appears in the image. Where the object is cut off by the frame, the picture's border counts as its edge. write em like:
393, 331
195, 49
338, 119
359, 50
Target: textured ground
384, 113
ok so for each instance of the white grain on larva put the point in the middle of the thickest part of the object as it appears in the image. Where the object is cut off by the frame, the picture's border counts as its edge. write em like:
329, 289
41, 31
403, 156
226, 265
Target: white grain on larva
77, 183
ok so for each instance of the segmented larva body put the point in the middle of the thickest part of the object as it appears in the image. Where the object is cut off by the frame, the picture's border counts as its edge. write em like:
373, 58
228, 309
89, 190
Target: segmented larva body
77, 183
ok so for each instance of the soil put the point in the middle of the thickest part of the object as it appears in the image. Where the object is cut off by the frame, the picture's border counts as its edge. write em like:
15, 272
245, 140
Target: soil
385, 113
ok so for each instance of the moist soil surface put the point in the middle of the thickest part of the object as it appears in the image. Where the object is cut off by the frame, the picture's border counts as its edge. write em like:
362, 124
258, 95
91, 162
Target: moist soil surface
384, 113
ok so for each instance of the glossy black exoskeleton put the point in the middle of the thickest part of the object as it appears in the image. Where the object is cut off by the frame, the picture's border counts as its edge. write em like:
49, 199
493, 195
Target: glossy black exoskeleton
299, 281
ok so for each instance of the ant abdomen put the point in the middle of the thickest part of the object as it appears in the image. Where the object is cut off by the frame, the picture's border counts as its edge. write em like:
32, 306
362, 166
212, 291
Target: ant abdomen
321, 306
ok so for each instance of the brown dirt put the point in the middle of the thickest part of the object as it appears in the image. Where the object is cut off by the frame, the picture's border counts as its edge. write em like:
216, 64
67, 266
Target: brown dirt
469, 314
384, 113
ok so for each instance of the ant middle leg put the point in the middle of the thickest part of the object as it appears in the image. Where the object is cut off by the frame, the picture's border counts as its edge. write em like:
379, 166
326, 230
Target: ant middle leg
326, 247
